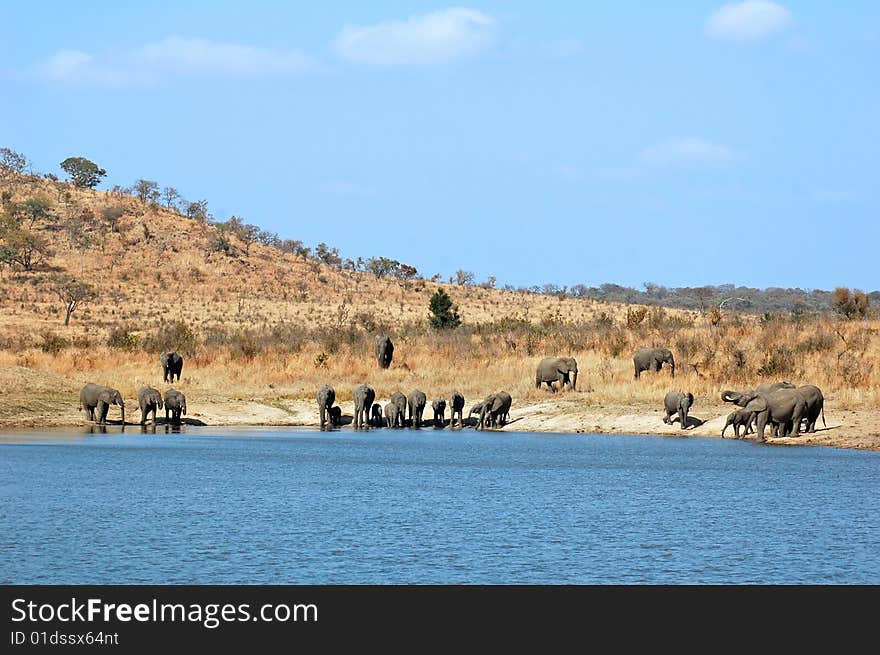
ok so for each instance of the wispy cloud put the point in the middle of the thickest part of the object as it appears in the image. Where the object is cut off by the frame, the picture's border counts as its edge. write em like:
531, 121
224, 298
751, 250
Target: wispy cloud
688, 151
747, 21
170, 58
435, 38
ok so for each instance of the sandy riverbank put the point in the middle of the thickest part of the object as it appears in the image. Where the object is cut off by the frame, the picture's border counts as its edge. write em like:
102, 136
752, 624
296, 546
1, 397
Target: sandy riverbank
51, 403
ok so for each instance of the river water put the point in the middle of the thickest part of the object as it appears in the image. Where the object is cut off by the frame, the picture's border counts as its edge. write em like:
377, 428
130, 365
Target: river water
284, 506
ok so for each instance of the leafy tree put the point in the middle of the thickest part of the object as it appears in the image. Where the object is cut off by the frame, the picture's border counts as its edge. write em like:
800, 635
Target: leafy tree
296, 247
11, 163
327, 255
170, 196
32, 210
850, 305
20, 245
73, 293
146, 191
197, 211
444, 314
464, 278
83, 173
381, 266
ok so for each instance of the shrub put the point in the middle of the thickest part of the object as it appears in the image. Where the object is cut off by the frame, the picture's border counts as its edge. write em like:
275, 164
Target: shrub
52, 343
121, 338
444, 314
635, 316
173, 336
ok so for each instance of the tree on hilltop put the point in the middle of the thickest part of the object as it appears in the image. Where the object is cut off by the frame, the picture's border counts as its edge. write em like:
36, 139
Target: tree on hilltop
83, 173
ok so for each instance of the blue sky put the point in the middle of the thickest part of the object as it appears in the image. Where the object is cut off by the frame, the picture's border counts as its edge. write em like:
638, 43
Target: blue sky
684, 143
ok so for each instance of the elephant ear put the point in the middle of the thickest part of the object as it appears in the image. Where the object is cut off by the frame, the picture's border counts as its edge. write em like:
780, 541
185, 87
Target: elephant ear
756, 404
690, 398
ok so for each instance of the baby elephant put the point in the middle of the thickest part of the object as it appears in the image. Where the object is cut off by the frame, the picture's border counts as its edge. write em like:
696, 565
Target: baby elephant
149, 400
680, 402
175, 404
335, 415
739, 418
439, 406
376, 419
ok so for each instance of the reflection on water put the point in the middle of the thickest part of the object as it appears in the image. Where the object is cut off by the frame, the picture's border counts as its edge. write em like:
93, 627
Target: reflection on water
185, 504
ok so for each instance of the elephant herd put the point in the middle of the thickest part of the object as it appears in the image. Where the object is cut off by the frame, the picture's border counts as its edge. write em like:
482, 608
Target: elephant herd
781, 406
493, 411
95, 399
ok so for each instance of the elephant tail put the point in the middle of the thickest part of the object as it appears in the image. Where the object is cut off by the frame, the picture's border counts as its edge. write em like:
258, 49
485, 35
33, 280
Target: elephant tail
824, 424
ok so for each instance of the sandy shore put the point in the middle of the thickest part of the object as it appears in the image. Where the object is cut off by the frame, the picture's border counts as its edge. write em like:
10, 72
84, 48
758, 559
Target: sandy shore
50, 403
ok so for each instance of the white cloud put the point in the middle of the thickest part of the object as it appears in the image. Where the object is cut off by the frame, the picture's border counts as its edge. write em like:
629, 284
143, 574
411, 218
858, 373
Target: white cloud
747, 21
434, 38
173, 57
687, 151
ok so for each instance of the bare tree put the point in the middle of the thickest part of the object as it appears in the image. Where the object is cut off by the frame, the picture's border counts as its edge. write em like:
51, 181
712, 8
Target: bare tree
73, 293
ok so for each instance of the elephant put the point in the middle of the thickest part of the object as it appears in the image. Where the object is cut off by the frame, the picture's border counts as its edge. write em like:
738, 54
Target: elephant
782, 407
376, 416
96, 396
739, 418
416, 401
172, 364
815, 405
652, 359
384, 350
400, 403
149, 400
476, 409
363, 403
335, 413
557, 369
680, 402
439, 407
391, 415
175, 405
456, 403
769, 387
326, 396
495, 408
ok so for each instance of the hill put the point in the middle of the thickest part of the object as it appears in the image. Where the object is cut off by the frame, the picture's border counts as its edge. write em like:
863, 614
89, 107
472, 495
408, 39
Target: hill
260, 319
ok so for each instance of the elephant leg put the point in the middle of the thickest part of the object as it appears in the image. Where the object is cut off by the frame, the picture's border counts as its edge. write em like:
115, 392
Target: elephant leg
759, 428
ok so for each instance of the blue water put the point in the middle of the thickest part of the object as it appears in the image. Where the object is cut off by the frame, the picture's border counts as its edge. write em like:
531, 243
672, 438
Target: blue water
223, 506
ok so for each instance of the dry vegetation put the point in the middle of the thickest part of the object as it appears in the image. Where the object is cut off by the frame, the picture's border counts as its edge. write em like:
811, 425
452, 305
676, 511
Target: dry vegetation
257, 324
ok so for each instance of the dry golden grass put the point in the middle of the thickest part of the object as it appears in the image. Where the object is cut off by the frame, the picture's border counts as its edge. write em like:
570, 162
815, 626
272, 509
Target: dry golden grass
263, 323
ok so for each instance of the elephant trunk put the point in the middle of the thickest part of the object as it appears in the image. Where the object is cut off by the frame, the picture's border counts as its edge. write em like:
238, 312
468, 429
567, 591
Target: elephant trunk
122, 409
729, 396
574, 380
672, 366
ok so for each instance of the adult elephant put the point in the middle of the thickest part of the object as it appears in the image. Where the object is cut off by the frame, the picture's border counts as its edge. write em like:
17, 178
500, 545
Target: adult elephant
175, 405
172, 364
363, 402
495, 408
557, 369
456, 403
770, 387
678, 402
94, 397
384, 350
815, 405
416, 402
782, 407
149, 400
326, 396
652, 359
399, 403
